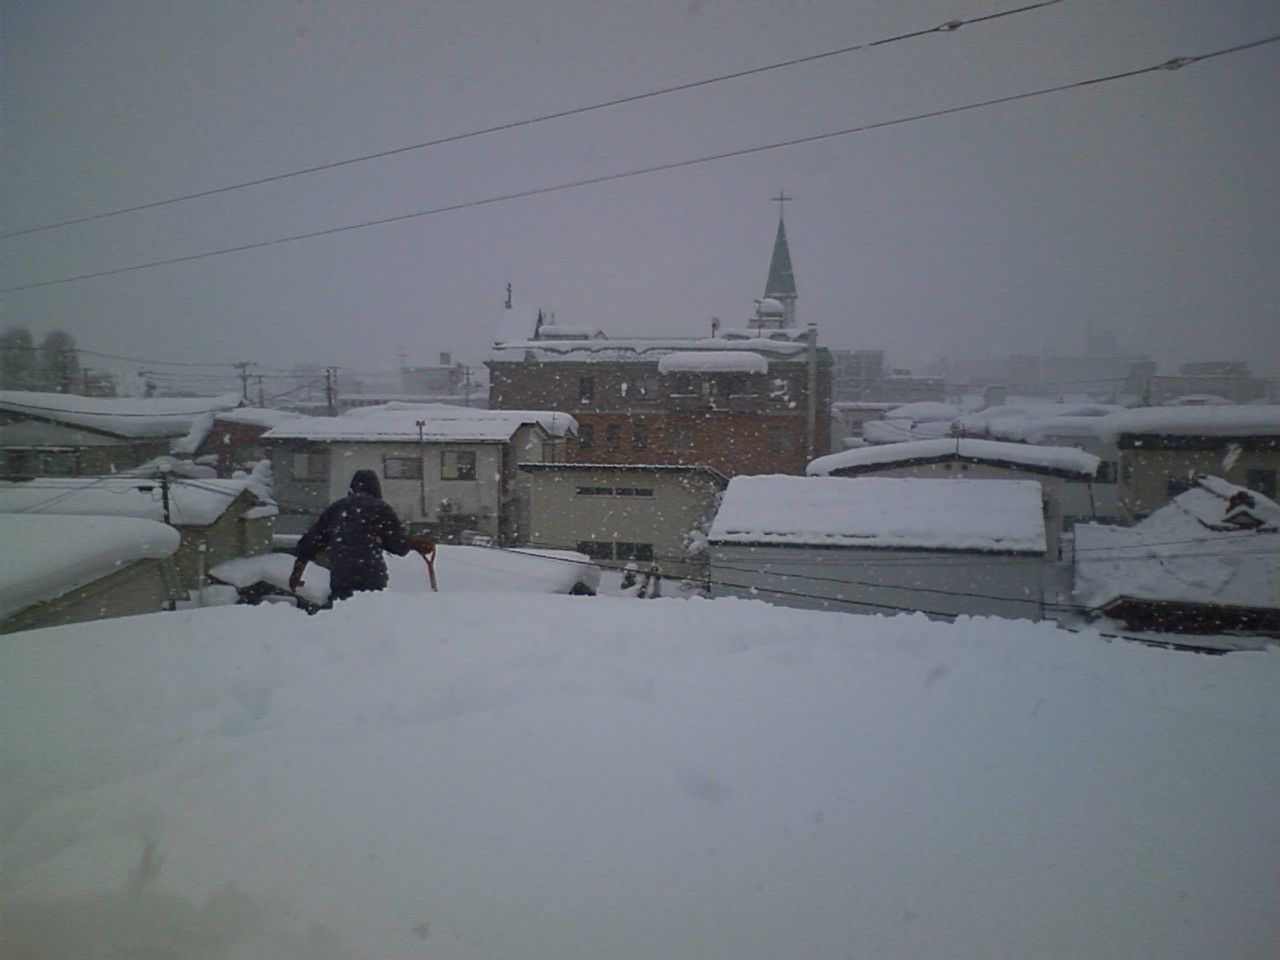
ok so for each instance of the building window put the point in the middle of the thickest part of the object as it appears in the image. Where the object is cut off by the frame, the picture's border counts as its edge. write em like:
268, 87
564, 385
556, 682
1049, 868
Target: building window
458, 465
1106, 472
680, 437
1262, 481
612, 437
782, 439
586, 436
595, 491
586, 389
402, 468
634, 491
647, 386
604, 550
639, 437
633, 551
310, 466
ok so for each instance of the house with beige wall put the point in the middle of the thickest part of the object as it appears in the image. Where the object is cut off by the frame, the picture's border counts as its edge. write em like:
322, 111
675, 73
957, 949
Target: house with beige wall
618, 513
443, 469
1162, 449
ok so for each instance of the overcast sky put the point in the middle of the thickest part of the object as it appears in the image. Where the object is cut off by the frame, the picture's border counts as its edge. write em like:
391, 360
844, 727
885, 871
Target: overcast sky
1144, 206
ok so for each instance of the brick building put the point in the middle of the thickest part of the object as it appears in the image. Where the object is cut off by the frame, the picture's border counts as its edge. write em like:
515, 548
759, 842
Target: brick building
753, 405
746, 401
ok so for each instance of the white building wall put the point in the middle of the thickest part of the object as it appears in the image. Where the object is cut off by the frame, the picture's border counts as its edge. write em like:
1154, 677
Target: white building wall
409, 496
867, 580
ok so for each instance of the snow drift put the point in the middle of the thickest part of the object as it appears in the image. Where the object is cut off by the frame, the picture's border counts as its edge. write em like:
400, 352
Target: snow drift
501, 775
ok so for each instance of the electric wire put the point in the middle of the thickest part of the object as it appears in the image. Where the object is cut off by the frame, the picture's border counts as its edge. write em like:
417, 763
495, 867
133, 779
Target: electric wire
948, 27
1172, 64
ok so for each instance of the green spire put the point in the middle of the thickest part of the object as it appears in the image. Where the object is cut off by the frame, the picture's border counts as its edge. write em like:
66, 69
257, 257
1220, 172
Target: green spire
781, 284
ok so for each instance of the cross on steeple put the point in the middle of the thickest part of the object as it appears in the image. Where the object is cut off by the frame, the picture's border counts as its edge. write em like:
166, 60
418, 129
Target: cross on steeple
781, 200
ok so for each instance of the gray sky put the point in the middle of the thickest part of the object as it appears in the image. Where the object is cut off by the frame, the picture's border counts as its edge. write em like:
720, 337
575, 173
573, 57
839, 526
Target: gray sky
1146, 206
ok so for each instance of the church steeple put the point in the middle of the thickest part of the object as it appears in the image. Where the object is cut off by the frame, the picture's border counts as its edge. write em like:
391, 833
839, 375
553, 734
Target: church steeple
781, 285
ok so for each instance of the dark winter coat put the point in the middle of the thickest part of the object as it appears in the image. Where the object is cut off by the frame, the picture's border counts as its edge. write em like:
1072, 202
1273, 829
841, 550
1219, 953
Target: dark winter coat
355, 530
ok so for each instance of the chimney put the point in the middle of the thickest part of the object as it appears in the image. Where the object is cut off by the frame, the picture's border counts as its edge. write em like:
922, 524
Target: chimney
446, 359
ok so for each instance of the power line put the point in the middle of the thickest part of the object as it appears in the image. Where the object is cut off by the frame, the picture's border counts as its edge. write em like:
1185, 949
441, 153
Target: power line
948, 27
1173, 64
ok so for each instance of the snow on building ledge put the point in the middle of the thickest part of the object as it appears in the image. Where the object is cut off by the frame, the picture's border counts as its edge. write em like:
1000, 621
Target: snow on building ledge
989, 516
1058, 460
713, 361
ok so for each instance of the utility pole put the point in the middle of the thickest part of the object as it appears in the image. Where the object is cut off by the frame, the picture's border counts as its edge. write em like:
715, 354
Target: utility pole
422, 472
811, 408
243, 366
331, 389
508, 303
164, 499
261, 399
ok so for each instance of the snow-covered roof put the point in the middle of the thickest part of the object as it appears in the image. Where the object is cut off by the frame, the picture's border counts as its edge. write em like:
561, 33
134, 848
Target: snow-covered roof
257, 416
999, 516
713, 361
441, 424
131, 417
605, 350
1184, 552
897, 431
42, 557
191, 502
1064, 459
925, 410
1203, 421
1033, 422
784, 334
1021, 421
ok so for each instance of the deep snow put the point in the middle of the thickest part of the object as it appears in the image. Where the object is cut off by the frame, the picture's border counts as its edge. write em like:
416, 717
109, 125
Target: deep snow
502, 775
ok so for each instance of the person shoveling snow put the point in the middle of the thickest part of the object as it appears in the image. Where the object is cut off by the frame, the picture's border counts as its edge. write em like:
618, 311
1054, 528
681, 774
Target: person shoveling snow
356, 530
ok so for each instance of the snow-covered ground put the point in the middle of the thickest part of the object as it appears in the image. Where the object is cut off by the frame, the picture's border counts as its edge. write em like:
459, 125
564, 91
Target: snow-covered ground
521, 775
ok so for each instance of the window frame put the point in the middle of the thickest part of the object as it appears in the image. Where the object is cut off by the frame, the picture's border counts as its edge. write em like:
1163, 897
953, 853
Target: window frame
457, 457
388, 460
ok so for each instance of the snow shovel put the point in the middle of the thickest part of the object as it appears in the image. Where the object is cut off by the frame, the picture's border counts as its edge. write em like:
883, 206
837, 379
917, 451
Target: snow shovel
430, 557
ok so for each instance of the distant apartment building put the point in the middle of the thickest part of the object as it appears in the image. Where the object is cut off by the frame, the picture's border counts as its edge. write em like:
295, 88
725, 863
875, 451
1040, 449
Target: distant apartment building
863, 376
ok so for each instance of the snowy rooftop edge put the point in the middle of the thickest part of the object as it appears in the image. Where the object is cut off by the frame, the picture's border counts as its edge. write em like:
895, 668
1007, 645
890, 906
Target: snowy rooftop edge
991, 516
1067, 459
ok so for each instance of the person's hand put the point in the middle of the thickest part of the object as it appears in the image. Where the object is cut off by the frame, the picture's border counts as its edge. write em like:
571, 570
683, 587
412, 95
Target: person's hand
295, 578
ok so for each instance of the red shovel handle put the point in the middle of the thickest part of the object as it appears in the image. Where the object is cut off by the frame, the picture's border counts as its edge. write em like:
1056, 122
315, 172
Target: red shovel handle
430, 557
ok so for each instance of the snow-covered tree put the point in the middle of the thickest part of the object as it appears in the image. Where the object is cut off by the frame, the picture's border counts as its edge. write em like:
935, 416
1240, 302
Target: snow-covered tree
17, 359
59, 366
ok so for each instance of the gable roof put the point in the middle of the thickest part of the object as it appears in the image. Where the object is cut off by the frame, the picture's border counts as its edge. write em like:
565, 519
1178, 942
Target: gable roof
1068, 461
990, 516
